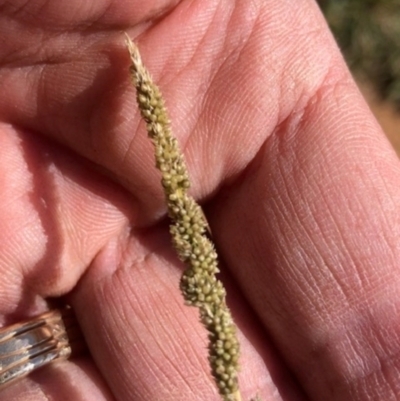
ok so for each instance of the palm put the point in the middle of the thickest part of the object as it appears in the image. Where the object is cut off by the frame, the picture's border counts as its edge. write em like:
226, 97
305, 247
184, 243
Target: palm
81, 203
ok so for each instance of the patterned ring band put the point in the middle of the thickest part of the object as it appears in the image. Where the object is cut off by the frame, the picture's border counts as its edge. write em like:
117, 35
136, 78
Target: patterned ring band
27, 346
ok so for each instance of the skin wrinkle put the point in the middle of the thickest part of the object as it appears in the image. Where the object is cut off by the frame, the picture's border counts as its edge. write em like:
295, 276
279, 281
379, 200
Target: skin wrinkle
283, 189
139, 186
68, 253
245, 318
30, 16
114, 214
16, 239
302, 83
205, 110
237, 53
142, 309
344, 248
170, 61
330, 266
99, 291
359, 302
199, 49
363, 280
315, 285
169, 354
386, 364
358, 373
129, 147
184, 146
201, 91
275, 258
123, 262
35, 53
198, 359
17, 10
176, 79
97, 142
297, 85
66, 376
356, 366
59, 183
385, 217
148, 291
163, 354
389, 349
315, 275
332, 218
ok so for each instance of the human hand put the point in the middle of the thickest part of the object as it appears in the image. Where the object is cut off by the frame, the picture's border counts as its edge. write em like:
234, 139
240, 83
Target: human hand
300, 188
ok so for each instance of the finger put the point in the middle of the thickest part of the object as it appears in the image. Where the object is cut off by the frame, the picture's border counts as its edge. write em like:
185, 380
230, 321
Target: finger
56, 214
311, 233
31, 18
61, 381
212, 90
149, 345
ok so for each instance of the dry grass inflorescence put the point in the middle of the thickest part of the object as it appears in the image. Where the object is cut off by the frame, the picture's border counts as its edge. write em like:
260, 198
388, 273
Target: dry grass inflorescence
190, 236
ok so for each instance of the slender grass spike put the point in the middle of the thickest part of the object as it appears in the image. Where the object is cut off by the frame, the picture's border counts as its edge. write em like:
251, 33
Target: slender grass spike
190, 234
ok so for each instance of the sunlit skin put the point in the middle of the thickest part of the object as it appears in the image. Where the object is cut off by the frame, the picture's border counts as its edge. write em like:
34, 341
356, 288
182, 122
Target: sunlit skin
299, 184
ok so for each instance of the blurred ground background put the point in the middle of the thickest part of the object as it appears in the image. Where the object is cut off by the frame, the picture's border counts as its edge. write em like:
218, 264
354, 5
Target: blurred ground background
368, 33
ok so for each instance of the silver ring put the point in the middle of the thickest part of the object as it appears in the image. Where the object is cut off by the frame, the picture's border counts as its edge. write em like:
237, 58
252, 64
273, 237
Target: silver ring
29, 345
